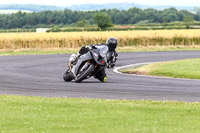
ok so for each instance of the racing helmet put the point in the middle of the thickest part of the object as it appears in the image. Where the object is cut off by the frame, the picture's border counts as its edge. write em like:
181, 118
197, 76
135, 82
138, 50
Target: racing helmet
112, 43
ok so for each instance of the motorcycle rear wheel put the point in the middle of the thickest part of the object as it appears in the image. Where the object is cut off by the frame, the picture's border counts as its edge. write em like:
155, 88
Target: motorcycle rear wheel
67, 76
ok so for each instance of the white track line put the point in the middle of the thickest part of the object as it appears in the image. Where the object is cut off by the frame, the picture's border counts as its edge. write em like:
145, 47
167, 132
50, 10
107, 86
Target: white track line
116, 70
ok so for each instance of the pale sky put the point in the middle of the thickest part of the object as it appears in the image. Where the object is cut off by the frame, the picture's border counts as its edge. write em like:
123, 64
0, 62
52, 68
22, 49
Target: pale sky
72, 2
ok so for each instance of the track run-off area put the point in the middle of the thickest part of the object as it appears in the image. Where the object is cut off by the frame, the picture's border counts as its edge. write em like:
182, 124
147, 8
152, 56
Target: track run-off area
41, 75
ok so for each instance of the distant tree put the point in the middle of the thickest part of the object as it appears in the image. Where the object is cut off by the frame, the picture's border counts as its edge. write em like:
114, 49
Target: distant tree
3, 20
102, 20
183, 13
81, 23
197, 17
197, 10
150, 14
165, 20
55, 29
187, 20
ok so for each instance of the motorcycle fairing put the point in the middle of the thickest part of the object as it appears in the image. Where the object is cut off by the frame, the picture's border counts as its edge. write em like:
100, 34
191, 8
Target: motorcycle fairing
93, 54
81, 59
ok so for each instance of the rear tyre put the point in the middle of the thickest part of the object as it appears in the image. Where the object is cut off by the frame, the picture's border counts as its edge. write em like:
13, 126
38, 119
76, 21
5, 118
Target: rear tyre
67, 76
86, 73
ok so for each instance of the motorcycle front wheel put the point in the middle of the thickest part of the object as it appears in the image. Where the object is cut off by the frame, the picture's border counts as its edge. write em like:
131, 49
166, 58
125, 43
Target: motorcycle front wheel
87, 72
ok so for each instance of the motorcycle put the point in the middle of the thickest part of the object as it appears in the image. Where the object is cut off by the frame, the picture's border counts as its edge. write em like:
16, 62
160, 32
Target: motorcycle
87, 65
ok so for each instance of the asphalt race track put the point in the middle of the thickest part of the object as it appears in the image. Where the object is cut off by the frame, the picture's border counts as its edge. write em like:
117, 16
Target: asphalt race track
41, 75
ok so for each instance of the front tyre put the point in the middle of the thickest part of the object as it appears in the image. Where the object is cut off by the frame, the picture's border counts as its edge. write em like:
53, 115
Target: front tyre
85, 74
67, 77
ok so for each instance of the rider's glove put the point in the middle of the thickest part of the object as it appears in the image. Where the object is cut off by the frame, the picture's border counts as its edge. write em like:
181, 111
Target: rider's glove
112, 65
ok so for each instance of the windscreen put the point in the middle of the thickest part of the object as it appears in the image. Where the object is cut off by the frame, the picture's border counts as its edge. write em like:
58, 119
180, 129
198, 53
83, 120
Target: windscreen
103, 49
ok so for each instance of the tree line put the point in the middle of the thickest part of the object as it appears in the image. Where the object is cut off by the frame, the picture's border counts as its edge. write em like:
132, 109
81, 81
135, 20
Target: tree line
118, 17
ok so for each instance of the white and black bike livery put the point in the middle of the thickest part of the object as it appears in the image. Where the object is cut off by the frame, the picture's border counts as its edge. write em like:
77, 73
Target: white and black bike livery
87, 65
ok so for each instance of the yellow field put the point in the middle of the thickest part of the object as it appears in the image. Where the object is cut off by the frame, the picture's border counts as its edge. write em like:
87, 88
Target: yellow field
13, 41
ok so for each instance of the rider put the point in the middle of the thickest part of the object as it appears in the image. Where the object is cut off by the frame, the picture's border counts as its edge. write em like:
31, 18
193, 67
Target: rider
111, 56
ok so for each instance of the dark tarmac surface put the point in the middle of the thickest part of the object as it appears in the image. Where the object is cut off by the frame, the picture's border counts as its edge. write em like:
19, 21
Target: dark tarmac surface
41, 75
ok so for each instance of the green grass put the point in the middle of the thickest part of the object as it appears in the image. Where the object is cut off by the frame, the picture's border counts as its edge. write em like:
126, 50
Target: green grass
37, 52
157, 48
21, 114
189, 69
119, 49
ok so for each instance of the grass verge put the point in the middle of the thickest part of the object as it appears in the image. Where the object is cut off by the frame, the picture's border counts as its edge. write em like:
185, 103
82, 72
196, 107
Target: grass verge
37, 114
188, 69
119, 49
37, 52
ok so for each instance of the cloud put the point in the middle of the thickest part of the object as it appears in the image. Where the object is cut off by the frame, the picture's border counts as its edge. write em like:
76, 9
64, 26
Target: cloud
72, 2
169, 2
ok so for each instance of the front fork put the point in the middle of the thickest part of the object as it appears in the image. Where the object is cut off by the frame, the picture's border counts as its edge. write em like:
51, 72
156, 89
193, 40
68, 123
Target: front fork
70, 66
